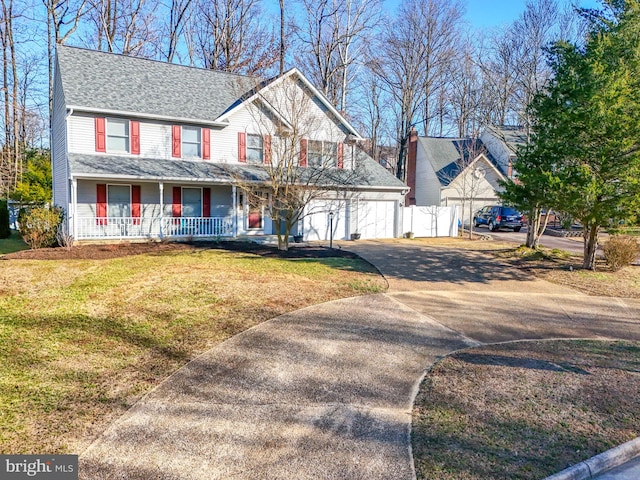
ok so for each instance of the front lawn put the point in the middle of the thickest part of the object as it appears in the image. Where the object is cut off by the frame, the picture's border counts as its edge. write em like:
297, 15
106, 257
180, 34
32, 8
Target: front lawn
81, 340
525, 410
12, 244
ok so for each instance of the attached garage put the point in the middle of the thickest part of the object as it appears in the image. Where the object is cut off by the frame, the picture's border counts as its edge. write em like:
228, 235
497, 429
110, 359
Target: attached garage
375, 218
317, 222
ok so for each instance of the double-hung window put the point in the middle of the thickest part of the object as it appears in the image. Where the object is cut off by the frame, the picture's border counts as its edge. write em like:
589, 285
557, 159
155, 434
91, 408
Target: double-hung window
117, 135
118, 201
191, 144
322, 153
255, 149
191, 202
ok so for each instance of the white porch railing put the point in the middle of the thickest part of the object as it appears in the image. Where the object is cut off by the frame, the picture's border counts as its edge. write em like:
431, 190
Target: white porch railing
130, 227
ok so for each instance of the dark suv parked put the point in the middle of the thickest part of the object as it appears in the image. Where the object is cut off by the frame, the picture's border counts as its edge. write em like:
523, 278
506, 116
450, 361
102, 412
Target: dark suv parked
496, 216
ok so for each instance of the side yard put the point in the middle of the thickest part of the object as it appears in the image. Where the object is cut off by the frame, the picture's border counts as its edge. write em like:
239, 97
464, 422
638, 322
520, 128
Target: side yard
82, 339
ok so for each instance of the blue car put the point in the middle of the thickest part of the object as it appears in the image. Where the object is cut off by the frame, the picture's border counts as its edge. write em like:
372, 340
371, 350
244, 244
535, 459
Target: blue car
497, 216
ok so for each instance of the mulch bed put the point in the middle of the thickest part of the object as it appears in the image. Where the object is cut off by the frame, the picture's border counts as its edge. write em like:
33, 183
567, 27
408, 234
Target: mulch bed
115, 250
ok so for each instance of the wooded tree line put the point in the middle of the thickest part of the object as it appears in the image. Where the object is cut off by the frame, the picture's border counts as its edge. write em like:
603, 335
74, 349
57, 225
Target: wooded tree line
420, 65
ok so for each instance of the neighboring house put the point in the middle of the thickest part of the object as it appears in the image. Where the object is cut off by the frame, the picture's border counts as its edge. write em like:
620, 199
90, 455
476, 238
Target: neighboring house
146, 149
452, 172
503, 143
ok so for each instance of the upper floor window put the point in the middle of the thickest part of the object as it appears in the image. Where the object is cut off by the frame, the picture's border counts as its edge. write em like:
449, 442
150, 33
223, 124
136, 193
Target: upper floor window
322, 153
191, 146
255, 149
117, 135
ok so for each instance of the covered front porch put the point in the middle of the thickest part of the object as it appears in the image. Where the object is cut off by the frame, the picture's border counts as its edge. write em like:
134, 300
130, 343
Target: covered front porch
117, 210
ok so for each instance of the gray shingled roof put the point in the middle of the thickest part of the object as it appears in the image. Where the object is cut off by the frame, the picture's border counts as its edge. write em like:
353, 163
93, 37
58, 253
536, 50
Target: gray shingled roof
513, 136
99, 80
369, 173
445, 155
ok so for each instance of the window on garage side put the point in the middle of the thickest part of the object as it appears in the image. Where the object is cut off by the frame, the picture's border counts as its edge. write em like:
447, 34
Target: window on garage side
255, 149
322, 153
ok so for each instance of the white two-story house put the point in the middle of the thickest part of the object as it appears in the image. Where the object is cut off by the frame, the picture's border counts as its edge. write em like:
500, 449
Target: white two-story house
146, 149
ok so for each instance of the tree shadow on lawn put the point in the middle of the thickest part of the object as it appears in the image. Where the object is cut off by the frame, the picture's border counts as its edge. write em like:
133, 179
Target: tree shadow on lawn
515, 362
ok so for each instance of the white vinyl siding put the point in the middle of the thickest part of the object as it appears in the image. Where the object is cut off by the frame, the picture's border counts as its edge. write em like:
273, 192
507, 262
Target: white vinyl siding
82, 134
61, 187
155, 137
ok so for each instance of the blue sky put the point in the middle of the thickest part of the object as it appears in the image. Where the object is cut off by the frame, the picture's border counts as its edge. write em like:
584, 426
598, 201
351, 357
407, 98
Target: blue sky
495, 13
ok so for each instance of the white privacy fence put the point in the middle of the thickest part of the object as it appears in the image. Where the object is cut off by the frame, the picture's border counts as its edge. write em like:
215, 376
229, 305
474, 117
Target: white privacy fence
430, 221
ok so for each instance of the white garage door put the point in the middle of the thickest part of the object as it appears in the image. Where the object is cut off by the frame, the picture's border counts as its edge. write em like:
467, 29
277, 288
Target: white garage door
376, 218
317, 222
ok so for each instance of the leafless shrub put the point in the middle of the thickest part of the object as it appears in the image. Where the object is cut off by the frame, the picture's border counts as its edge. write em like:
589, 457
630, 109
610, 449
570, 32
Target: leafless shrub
621, 251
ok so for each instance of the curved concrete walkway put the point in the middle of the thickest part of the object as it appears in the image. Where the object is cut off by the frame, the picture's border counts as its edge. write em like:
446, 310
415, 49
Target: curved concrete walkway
327, 392
324, 392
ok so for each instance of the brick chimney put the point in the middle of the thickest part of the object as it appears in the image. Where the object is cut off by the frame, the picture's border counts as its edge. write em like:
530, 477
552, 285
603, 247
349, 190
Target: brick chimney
412, 152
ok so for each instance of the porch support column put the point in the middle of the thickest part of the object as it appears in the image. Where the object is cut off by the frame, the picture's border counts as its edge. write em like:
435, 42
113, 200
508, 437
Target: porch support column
234, 201
161, 189
74, 209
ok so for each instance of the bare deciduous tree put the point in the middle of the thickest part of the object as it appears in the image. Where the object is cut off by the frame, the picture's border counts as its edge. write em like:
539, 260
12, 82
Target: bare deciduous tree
122, 26
332, 38
295, 173
232, 36
63, 19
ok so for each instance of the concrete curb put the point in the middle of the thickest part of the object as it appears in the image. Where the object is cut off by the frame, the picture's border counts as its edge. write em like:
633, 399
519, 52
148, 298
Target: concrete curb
600, 463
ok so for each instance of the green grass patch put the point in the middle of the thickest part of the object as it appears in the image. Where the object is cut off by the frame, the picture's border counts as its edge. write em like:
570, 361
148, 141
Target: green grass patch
12, 244
81, 340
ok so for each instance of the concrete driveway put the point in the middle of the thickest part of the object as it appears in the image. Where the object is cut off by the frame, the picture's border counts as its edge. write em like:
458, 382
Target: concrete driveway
322, 393
487, 301
327, 392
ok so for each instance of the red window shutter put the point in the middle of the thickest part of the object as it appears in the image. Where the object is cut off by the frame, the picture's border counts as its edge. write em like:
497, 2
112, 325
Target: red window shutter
206, 143
176, 141
242, 147
135, 204
266, 146
101, 204
101, 134
340, 155
303, 152
176, 209
135, 137
206, 202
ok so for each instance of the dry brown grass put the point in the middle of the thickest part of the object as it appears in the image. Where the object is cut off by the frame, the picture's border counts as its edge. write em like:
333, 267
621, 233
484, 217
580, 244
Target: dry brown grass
81, 340
525, 410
